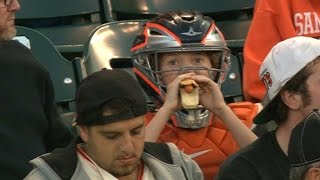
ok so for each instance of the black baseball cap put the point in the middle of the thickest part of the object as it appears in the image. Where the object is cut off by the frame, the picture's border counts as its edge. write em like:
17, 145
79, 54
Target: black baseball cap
304, 146
102, 86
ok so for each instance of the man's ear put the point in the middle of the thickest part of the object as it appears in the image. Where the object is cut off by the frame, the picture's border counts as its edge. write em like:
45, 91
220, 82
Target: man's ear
292, 100
83, 132
313, 173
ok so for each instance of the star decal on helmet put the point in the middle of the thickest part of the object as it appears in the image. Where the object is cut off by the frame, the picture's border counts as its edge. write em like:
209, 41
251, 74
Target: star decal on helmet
191, 32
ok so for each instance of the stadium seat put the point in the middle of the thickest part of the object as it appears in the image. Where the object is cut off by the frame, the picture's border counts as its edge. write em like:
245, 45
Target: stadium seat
109, 47
144, 9
66, 23
233, 18
65, 74
232, 86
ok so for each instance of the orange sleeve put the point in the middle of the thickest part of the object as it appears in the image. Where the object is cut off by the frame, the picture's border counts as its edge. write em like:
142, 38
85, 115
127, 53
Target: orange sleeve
245, 111
262, 36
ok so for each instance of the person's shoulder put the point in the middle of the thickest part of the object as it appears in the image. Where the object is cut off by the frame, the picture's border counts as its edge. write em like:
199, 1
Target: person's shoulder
20, 56
269, 5
244, 154
14, 51
166, 152
12, 44
35, 174
41, 169
159, 147
250, 154
159, 150
252, 161
241, 164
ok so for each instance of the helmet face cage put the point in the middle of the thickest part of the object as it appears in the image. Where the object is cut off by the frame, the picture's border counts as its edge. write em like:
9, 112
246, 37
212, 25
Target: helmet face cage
160, 38
148, 63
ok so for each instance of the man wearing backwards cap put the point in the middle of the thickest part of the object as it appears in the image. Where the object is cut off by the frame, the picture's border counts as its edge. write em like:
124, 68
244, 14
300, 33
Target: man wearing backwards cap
291, 74
304, 149
110, 110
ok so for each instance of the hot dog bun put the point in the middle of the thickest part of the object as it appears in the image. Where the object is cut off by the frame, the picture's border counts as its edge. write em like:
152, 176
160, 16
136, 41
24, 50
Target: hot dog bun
189, 92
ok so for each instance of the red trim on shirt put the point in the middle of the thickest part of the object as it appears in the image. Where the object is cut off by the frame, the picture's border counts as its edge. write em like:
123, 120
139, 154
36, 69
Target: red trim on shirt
83, 154
140, 175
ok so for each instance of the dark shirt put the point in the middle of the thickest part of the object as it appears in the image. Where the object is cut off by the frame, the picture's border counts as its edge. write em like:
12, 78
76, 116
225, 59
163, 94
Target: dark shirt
261, 160
29, 122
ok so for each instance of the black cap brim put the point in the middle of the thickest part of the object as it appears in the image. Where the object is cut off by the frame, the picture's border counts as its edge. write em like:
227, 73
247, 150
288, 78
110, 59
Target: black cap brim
265, 115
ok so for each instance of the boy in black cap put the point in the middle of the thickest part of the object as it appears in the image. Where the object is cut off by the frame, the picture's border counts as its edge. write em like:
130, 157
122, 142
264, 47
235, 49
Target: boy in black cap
304, 149
110, 110
291, 74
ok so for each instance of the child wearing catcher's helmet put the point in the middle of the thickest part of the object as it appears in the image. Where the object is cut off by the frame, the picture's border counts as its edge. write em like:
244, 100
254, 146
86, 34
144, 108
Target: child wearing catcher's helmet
181, 46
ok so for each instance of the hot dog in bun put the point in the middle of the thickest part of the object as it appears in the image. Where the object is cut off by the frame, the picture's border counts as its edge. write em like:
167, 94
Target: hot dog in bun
189, 92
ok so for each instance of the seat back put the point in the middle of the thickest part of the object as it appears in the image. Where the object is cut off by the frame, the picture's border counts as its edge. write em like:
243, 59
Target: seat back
109, 45
144, 9
64, 74
66, 23
232, 86
233, 18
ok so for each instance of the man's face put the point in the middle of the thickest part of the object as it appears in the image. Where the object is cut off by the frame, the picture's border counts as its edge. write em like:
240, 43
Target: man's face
7, 17
116, 147
313, 84
174, 61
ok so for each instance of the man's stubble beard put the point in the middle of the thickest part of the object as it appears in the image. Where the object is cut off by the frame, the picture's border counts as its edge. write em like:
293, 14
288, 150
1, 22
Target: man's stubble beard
124, 171
8, 34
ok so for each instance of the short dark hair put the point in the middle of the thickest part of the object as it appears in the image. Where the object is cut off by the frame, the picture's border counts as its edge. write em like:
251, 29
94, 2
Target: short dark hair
299, 173
297, 84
